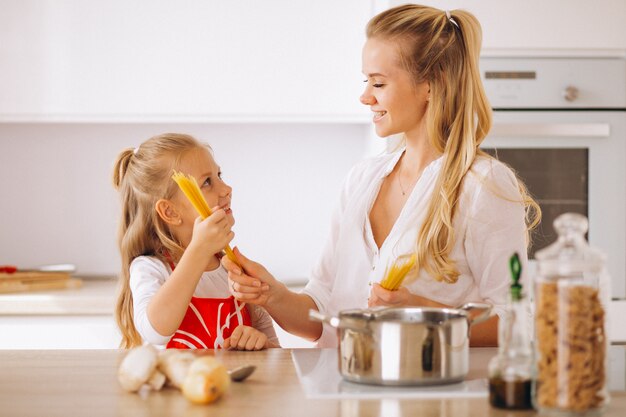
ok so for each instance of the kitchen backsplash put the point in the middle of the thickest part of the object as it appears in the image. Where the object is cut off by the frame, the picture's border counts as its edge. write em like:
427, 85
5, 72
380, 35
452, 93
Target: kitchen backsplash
59, 204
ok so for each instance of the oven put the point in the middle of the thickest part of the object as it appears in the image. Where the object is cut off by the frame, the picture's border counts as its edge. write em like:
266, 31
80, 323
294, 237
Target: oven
560, 123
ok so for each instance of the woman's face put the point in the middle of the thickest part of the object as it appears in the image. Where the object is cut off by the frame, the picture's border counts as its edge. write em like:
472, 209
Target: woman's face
399, 105
200, 164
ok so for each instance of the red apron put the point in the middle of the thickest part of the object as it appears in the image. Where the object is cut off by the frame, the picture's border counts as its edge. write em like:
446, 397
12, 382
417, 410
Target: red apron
208, 322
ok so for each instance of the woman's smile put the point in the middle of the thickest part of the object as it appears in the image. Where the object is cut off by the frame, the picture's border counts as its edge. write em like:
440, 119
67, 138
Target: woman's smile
378, 115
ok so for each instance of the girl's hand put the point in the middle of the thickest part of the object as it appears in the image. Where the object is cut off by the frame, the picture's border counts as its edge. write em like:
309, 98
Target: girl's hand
382, 297
246, 338
212, 234
254, 284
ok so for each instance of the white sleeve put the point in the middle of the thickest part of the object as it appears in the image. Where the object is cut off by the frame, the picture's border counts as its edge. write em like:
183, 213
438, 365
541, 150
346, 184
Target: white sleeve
262, 321
496, 229
147, 275
323, 275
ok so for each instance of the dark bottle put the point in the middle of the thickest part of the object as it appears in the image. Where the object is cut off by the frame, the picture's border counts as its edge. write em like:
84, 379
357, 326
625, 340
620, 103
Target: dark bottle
510, 372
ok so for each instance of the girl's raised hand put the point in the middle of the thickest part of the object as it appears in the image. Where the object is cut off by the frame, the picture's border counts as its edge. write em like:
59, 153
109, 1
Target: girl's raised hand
246, 338
212, 234
254, 284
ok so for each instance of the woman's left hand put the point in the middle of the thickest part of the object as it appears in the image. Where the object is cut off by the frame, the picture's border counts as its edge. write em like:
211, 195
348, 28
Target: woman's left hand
382, 297
399, 298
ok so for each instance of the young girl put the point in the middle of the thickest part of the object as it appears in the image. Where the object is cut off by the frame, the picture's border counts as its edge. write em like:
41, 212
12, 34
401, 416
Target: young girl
174, 291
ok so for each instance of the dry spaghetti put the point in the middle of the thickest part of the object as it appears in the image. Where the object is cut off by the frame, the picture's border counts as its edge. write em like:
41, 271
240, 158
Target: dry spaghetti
189, 187
394, 276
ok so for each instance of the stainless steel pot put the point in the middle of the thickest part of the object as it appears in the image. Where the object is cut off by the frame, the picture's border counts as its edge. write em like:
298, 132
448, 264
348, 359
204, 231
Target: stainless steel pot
405, 346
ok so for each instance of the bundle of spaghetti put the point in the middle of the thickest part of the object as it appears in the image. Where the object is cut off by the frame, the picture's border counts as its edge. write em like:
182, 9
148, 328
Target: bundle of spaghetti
394, 276
189, 187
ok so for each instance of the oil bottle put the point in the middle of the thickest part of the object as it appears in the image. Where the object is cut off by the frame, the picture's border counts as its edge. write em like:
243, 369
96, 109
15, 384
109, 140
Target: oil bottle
510, 372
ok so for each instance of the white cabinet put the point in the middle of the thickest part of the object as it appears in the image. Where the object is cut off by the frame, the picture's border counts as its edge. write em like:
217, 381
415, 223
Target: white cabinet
554, 25
82, 332
199, 60
59, 332
78, 318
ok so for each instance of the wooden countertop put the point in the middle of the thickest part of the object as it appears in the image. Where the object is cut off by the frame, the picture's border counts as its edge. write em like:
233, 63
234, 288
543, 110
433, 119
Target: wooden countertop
78, 383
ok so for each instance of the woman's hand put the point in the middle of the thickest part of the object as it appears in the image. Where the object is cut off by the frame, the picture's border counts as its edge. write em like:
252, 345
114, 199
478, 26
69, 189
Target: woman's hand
246, 338
382, 297
254, 284
399, 298
212, 234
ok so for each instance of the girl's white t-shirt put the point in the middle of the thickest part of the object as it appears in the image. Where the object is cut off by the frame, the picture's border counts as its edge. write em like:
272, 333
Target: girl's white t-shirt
489, 225
148, 274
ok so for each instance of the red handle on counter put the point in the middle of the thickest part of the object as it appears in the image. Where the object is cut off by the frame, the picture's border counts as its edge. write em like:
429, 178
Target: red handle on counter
8, 269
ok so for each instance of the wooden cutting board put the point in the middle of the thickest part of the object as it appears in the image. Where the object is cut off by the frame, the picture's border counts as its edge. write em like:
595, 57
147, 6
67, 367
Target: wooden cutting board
36, 281
33, 276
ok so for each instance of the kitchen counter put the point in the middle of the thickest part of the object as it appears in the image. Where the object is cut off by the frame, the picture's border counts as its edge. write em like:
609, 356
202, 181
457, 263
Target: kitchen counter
56, 319
76, 383
96, 296
80, 318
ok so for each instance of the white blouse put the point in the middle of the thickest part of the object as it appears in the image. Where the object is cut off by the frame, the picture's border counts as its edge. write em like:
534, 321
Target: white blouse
148, 274
489, 226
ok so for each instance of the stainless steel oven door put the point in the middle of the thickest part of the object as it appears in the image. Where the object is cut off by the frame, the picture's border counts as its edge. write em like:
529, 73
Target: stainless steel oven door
565, 158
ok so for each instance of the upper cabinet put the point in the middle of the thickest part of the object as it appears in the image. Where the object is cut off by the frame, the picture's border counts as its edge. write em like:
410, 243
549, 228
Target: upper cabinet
198, 60
539, 24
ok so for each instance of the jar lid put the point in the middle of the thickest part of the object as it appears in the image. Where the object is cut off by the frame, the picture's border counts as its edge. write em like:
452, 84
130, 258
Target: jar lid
570, 254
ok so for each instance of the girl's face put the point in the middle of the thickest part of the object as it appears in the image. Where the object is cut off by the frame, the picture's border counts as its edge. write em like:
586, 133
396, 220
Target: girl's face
399, 105
200, 164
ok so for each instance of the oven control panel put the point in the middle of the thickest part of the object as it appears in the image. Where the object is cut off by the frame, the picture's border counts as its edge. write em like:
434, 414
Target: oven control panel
554, 83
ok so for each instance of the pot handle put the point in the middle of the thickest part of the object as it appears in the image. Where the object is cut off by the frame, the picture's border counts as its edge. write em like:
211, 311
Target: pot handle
336, 322
486, 308
315, 315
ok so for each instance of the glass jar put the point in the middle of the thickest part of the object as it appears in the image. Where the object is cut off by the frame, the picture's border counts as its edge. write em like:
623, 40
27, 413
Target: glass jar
571, 341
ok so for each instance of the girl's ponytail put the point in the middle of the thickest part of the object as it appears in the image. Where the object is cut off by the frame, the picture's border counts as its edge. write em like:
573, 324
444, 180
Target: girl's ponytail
120, 166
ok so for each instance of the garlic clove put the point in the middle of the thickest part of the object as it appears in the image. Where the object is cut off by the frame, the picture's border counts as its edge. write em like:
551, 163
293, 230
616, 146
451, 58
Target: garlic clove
156, 380
175, 365
206, 381
137, 367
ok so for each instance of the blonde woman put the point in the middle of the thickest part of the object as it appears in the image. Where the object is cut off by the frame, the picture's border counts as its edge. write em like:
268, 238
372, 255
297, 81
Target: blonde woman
173, 290
461, 212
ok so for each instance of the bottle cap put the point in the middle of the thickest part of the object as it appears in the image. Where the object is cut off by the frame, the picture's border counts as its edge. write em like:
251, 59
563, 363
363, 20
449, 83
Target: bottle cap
516, 271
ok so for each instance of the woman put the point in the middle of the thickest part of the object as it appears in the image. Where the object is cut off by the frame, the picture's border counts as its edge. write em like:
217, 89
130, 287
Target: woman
461, 212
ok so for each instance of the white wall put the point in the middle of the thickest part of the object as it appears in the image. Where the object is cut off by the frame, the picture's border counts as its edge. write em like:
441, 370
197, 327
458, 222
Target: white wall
58, 204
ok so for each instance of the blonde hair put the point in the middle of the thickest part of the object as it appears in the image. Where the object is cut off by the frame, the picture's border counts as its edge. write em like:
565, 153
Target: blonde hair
443, 50
143, 176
